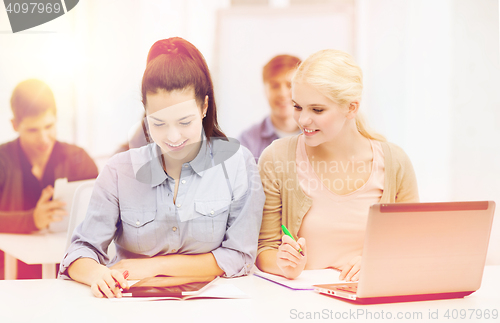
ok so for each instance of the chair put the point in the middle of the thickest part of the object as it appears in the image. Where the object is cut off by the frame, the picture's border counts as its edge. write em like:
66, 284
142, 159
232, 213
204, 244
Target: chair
81, 201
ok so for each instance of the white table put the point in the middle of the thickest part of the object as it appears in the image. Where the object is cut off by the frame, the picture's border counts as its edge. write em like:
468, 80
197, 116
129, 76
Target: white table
67, 301
42, 248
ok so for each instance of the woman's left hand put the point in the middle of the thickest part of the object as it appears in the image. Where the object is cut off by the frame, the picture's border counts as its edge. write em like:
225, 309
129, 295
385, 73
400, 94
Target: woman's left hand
350, 272
137, 268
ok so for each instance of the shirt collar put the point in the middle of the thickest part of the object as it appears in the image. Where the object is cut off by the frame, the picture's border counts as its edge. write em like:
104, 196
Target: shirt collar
203, 159
152, 171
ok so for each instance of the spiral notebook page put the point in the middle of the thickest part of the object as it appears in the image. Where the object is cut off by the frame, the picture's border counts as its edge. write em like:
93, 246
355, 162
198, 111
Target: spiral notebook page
306, 280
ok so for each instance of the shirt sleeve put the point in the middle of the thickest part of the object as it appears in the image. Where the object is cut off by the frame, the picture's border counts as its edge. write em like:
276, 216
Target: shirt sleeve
14, 221
270, 232
406, 180
238, 251
93, 236
83, 166
17, 221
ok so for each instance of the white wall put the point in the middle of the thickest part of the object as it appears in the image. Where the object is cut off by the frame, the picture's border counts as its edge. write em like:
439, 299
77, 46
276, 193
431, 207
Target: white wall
248, 37
405, 50
432, 81
93, 58
475, 115
118, 45
46, 52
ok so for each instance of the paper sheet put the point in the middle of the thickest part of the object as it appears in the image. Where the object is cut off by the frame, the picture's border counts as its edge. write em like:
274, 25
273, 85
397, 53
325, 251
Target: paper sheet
306, 280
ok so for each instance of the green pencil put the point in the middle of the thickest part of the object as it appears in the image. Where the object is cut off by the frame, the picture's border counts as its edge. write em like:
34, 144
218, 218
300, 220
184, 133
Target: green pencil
290, 235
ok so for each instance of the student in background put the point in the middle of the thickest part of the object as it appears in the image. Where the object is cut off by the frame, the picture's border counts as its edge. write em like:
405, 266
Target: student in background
188, 204
30, 164
277, 75
320, 184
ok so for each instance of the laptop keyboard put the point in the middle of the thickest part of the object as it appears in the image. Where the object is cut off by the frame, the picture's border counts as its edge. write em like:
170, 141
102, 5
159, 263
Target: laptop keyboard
348, 288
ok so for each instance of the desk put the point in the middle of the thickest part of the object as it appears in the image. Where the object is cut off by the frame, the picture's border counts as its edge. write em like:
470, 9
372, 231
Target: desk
50, 300
42, 248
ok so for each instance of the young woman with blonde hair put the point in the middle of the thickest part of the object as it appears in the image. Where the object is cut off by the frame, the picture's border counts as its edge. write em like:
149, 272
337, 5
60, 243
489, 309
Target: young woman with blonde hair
320, 184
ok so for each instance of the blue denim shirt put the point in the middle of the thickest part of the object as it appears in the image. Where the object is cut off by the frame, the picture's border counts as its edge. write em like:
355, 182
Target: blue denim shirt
218, 209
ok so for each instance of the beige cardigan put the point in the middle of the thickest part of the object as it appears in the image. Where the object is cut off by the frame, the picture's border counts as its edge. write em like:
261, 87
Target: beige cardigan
287, 204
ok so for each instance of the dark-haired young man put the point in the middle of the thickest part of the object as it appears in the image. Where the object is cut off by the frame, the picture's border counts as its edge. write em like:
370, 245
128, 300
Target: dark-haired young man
30, 164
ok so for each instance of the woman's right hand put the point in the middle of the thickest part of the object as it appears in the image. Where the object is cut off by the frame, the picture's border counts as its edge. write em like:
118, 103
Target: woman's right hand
289, 259
107, 282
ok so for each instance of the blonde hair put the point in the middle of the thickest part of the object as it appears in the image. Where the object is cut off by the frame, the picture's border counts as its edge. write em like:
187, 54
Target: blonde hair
335, 75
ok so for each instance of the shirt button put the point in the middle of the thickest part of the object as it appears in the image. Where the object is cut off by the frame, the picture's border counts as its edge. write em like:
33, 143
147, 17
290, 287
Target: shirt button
185, 166
212, 212
183, 181
178, 204
138, 222
173, 250
174, 229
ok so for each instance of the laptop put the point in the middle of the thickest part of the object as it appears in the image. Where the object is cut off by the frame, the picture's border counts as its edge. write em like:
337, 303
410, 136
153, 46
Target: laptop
420, 251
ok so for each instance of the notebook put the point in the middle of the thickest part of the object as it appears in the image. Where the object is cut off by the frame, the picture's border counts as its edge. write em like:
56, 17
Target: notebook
420, 251
181, 288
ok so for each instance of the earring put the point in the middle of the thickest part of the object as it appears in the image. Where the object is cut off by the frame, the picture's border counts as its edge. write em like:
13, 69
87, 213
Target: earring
204, 115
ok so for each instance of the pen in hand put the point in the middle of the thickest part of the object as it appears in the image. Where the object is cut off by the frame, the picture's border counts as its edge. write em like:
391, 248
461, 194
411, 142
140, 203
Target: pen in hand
290, 235
125, 275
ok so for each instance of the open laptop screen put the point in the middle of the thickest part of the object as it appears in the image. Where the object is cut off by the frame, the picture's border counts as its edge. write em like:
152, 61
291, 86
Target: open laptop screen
425, 248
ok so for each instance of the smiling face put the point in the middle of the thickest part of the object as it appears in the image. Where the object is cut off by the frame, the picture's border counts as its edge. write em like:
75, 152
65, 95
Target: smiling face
279, 96
37, 134
321, 119
175, 123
